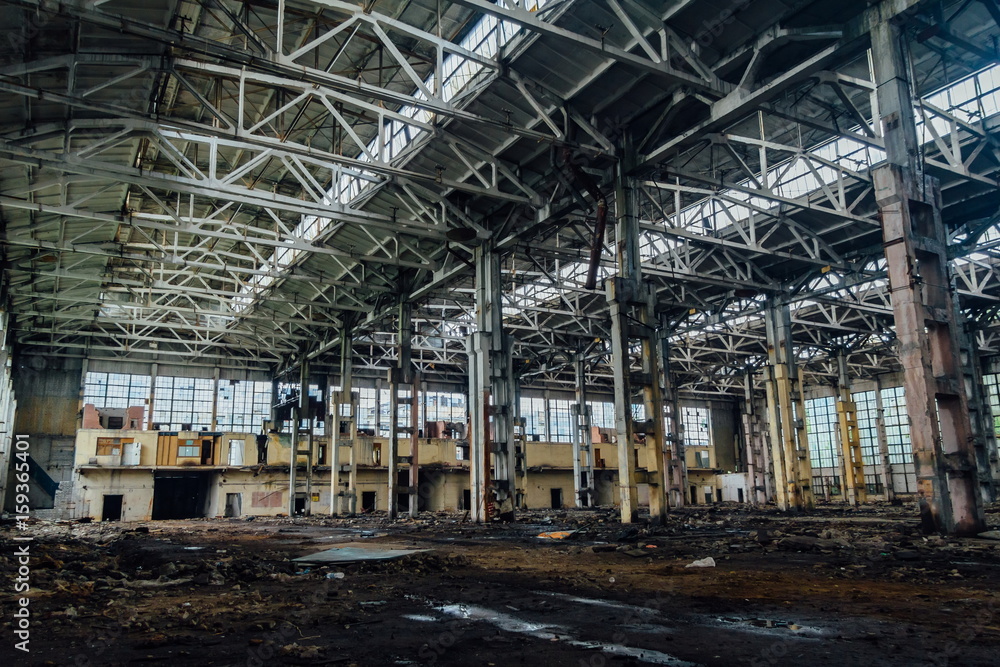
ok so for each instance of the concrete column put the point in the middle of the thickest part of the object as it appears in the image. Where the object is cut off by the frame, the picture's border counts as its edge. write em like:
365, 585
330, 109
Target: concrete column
215, 399
633, 318
883, 444
981, 418
585, 494
756, 468
274, 403
378, 407
152, 393
298, 413
415, 447
674, 443
478, 406
790, 447
392, 456
920, 278
491, 396
334, 437
855, 491
520, 449
546, 418
401, 374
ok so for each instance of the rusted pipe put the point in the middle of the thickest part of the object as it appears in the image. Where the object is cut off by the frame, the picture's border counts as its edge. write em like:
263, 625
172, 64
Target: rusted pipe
587, 182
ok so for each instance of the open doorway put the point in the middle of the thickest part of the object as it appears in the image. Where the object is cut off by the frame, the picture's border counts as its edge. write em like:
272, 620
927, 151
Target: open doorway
557, 498
112, 509
466, 500
368, 501
180, 495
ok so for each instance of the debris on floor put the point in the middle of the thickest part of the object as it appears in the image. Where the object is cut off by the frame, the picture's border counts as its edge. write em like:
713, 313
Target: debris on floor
307, 590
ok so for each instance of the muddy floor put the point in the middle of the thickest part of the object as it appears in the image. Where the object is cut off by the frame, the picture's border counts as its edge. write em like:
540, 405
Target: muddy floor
835, 587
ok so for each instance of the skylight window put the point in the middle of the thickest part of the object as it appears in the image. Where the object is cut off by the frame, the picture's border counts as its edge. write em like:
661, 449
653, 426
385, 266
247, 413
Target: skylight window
486, 38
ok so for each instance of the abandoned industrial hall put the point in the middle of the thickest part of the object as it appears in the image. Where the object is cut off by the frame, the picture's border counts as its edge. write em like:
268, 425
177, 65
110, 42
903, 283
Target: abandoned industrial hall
500, 332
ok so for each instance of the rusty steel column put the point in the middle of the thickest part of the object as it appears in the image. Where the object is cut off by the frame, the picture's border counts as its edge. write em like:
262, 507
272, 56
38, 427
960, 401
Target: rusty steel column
922, 300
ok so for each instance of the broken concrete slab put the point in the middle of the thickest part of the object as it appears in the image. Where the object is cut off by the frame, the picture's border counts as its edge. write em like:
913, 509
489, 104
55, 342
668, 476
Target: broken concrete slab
354, 555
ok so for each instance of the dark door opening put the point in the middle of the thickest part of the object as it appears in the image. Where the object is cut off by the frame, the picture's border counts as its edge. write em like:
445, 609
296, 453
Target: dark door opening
112, 510
234, 504
300, 503
466, 500
180, 495
368, 501
739, 495
694, 495
557, 499
206, 451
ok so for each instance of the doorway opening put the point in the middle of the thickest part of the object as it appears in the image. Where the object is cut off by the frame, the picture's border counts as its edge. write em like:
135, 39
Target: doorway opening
557, 499
368, 501
112, 510
180, 495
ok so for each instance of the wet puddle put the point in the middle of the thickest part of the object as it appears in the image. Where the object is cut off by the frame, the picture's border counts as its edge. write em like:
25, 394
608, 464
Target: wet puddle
771, 626
555, 632
597, 602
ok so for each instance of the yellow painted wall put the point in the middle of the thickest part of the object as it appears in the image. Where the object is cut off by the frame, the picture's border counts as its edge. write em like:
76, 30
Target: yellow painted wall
443, 477
135, 485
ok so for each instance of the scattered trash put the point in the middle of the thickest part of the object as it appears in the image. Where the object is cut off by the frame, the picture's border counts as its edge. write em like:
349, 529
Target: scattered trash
301, 652
703, 562
335, 575
990, 535
557, 534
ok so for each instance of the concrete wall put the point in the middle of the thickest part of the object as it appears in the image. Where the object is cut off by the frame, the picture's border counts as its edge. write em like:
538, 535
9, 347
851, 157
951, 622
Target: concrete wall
48, 395
724, 445
264, 490
539, 489
135, 485
48, 403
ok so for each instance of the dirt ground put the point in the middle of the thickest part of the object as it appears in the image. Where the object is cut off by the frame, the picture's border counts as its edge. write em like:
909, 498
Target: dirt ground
835, 587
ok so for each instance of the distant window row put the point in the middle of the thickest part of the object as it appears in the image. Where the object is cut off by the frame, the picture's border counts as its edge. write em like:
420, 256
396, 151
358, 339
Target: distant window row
183, 403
